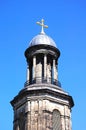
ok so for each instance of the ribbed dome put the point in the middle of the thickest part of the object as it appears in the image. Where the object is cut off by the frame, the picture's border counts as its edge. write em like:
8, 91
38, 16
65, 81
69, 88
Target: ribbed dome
42, 39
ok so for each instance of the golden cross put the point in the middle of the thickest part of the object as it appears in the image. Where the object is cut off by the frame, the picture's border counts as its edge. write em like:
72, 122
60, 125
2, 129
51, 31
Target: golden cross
43, 25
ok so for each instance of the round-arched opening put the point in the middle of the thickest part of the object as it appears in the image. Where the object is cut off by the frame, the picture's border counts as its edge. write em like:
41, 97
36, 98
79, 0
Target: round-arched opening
56, 120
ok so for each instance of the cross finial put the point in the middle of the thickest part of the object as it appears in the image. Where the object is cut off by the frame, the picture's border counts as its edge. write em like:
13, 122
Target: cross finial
43, 26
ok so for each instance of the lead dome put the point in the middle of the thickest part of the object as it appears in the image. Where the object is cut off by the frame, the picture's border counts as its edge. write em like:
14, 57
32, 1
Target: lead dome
42, 38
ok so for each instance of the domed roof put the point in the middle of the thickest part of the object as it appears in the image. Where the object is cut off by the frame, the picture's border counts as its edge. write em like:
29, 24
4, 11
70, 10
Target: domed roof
42, 38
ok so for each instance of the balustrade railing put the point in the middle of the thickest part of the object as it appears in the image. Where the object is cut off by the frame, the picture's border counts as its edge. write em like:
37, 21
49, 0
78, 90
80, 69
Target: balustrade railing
38, 80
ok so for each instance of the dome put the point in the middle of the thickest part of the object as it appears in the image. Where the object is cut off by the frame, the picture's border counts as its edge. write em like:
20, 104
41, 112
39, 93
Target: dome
42, 38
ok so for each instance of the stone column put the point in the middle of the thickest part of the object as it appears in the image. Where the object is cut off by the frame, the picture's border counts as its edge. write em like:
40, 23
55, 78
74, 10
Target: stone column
27, 76
45, 66
54, 70
27, 113
67, 118
27, 122
32, 116
49, 73
16, 126
34, 67
62, 122
57, 70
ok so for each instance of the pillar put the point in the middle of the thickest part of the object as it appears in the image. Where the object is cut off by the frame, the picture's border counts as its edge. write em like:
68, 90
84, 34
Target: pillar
67, 118
17, 128
27, 116
57, 70
54, 70
45, 66
49, 73
16, 125
34, 67
62, 122
27, 76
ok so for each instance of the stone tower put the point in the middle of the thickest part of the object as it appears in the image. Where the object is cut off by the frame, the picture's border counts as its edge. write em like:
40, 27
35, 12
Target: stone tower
42, 104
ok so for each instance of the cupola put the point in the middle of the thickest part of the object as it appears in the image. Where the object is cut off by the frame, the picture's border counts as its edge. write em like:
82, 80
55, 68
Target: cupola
42, 59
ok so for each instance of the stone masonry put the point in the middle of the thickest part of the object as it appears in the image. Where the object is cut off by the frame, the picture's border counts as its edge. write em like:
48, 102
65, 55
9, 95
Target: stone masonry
42, 104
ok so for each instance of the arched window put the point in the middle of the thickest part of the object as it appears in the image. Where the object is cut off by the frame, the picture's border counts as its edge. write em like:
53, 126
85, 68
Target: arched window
56, 120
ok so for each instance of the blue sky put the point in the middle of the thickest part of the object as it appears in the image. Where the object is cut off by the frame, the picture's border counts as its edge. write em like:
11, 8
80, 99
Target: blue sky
67, 26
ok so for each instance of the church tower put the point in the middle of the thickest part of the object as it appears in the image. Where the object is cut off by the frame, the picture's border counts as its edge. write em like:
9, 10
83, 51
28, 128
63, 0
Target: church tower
42, 104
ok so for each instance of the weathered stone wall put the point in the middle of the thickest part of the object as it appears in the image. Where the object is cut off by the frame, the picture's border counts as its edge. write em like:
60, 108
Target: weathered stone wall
37, 115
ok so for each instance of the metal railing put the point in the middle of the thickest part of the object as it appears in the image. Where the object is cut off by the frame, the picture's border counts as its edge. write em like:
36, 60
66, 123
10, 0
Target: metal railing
39, 80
